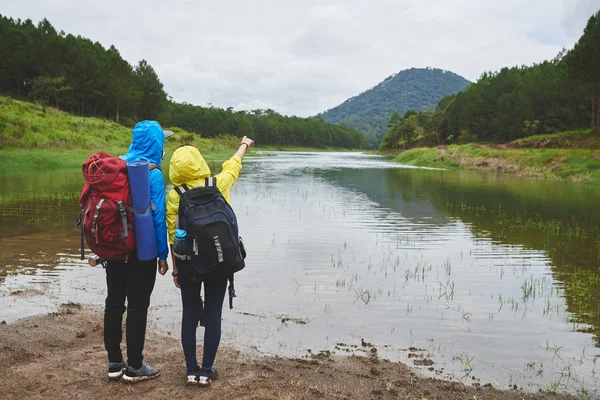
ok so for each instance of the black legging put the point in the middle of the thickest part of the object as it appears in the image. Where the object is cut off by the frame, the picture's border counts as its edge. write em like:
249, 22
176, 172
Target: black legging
132, 281
214, 294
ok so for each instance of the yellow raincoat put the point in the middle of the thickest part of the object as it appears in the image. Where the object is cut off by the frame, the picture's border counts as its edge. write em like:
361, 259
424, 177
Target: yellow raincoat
188, 167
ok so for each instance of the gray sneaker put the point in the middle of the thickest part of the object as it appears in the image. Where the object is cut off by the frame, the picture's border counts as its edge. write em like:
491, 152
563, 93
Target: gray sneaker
141, 374
116, 370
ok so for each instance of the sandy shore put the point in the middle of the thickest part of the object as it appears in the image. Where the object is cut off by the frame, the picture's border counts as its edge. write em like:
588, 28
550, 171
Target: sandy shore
61, 355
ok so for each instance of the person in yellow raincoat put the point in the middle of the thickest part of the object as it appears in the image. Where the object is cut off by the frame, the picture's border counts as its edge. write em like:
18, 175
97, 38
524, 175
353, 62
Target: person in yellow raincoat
189, 167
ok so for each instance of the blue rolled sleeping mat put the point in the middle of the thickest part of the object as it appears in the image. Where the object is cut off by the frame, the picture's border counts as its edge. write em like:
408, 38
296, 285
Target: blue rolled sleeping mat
139, 186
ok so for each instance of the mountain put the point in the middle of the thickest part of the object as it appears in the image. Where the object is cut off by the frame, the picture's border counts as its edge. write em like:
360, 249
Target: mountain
411, 89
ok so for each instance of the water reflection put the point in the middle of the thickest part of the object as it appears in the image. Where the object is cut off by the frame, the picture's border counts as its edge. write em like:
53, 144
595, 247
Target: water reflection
558, 218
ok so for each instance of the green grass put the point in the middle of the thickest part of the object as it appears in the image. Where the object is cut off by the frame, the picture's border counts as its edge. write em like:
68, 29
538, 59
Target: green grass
574, 164
23, 161
15, 161
25, 125
32, 140
425, 157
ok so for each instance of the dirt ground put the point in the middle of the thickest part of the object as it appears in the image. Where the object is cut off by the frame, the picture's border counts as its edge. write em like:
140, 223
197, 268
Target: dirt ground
61, 355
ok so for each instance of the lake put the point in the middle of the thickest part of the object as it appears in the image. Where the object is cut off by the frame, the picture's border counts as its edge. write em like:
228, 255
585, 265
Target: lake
465, 275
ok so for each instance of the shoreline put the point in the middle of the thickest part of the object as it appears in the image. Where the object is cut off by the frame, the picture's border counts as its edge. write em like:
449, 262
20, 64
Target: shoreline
576, 165
62, 355
12, 160
50, 160
568, 164
306, 149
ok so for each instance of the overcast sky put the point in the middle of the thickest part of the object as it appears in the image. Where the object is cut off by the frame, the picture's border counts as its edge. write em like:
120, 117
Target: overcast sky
305, 56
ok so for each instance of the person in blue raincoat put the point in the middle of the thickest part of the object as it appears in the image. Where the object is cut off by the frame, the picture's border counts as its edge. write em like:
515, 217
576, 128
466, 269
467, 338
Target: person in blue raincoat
133, 279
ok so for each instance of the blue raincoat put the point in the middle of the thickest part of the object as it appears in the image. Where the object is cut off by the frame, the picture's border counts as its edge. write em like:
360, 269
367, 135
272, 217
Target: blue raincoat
147, 142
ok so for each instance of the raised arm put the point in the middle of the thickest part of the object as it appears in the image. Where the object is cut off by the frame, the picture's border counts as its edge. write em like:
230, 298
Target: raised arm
231, 169
246, 142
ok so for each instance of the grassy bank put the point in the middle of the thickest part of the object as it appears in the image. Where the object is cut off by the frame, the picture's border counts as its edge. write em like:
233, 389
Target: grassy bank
577, 139
33, 140
561, 163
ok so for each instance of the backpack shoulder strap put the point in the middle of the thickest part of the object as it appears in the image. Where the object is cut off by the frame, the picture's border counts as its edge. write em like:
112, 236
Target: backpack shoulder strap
181, 189
210, 181
154, 166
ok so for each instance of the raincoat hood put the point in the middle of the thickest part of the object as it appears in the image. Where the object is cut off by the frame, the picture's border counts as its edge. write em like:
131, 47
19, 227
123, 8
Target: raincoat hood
188, 166
147, 141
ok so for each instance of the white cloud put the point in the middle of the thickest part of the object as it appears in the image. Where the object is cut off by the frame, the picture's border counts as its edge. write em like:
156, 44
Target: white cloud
305, 56
576, 14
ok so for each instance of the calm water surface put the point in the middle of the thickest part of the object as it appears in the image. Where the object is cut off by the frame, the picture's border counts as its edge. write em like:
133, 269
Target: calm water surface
493, 278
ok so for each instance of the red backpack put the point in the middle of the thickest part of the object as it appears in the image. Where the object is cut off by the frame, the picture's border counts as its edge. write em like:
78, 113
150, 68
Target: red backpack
107, 222
106, 208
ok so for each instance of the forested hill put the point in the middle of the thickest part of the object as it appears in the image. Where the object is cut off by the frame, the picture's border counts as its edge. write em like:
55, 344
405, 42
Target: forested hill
561, 94
412, 89
77, 75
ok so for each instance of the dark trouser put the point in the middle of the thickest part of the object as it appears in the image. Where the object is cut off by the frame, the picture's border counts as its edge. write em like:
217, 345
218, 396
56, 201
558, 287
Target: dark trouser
133, 281
214, 294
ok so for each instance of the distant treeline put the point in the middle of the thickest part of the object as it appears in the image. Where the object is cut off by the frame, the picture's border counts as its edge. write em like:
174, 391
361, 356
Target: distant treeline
80, 76
265, 126
553, 96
